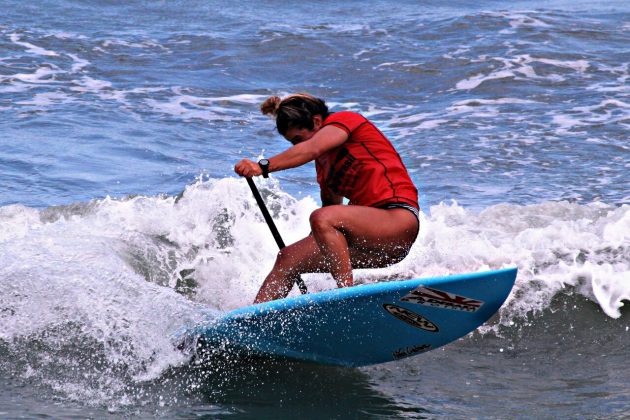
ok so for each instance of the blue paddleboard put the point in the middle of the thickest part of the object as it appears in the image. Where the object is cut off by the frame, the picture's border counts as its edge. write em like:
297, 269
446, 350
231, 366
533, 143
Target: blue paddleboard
366, 324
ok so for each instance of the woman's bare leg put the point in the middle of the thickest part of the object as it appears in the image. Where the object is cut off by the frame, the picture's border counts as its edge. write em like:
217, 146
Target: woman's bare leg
342, 237
301, 257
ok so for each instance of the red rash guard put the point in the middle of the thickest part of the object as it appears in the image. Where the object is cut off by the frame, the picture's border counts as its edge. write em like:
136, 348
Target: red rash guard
366, 168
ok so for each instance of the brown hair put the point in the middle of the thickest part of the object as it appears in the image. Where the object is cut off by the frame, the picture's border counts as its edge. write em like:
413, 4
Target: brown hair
294, 111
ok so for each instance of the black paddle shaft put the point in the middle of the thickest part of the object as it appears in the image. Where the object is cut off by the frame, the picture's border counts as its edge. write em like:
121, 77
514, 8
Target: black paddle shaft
272, 226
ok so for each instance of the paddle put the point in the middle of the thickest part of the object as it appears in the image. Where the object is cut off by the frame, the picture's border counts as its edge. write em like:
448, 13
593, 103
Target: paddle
272, 227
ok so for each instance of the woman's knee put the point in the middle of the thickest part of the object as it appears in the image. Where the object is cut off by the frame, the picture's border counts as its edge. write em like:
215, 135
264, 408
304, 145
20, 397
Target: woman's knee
322, 219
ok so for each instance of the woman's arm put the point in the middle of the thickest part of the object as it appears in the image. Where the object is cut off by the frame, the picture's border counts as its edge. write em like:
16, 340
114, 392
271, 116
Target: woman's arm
324, 140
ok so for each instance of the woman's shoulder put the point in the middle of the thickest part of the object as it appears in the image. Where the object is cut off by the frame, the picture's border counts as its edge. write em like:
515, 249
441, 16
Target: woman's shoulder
349, 120
344, 115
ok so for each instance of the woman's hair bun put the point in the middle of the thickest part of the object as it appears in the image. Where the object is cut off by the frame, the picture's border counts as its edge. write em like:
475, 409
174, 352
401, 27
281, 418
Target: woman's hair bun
271, 105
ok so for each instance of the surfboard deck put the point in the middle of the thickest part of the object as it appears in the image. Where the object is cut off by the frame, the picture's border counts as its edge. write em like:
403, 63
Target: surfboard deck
366, 324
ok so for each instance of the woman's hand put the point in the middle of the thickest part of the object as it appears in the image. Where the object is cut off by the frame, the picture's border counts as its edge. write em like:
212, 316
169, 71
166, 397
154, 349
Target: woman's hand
248, 168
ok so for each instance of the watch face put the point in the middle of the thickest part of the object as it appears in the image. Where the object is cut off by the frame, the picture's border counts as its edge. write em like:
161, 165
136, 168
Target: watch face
264, 161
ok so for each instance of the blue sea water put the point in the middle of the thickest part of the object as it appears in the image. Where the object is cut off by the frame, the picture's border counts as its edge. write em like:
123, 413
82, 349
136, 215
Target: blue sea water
120, 125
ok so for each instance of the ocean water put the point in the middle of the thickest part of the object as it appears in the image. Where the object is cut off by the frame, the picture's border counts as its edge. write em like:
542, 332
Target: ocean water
121, 122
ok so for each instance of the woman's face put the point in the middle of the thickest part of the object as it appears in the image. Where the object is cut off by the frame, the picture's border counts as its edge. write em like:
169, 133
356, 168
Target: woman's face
298, 135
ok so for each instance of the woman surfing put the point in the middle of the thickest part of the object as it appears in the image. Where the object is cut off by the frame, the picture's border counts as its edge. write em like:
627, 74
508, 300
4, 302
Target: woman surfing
353, 159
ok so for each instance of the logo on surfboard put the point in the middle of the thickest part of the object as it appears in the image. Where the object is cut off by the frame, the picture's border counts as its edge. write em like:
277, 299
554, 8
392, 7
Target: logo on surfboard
411, 350
432, 297
410, 317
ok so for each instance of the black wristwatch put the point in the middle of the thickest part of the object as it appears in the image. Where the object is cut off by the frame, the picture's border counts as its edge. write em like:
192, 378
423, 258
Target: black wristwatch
264, 165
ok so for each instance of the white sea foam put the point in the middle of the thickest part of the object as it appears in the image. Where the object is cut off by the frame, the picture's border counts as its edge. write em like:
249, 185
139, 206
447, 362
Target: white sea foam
474, 81
216, 223
458, 52
33, 49
518, 20
79, 63
608, 111
548, 242
401, 64
358, 55
46, 99
43, 75
244, 98
144, 44
101, 87
431, 124
412, 119
68, 275
15, 87
522, 66
577, 65
397, 124
188, 106
108, 271
67, 35
281, 29
469, 105
16, 221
